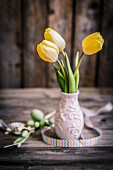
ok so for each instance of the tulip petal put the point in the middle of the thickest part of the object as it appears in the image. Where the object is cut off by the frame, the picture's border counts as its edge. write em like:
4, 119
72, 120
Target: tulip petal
48, 54
53, 36
41, 53
50, 44
90, 37
92, 47
92, 43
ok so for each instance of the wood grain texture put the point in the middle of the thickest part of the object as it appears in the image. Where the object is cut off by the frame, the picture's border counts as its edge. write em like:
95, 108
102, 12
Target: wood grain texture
10, 64
28, 40
54, 156
40, 15
106, 56
60, 19
86, 22
16, 105
34, 20
22, 24
62, 167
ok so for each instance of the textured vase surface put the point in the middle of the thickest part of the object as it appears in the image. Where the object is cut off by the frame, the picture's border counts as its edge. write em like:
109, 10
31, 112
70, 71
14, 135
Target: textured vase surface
69, 117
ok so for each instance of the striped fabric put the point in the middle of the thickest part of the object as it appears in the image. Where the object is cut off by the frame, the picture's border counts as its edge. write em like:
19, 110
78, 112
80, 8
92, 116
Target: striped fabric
69, 143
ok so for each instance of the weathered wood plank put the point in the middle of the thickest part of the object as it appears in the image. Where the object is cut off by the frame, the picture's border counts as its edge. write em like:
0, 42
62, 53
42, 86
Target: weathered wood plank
63, 167
56, 156
86, 21
106, 56
41, 71
16, 105
34, 18
20, 65
60, 19
28, 47
10, 63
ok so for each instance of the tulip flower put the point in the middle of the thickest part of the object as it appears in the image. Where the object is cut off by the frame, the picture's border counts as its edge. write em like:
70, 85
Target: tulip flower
92, 43
53, 44
53, 36
48, 51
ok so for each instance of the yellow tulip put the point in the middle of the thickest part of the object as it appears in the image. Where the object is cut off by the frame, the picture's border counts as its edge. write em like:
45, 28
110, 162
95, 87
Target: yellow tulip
48, 51
92, 43
53, 36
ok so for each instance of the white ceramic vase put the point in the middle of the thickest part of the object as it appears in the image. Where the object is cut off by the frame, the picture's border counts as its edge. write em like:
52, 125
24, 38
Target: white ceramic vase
69, 120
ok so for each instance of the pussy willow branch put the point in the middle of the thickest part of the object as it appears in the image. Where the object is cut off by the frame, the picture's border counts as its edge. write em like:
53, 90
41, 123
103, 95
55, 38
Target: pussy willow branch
19, 143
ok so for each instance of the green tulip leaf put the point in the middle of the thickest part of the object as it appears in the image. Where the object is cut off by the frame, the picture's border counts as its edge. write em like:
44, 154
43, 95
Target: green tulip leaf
71, 78
60, 75
60, 78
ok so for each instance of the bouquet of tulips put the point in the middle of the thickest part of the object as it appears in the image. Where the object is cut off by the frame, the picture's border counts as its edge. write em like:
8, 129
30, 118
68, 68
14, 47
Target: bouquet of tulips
54, 44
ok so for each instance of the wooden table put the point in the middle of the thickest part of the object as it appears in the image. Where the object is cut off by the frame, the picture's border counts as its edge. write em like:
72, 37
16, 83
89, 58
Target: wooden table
16, 105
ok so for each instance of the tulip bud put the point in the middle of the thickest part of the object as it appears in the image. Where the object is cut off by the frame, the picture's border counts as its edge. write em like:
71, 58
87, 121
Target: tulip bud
92, 43
53, 36
48, 51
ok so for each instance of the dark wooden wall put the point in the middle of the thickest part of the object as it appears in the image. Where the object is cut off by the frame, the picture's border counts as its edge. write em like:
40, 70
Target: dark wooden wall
22, 24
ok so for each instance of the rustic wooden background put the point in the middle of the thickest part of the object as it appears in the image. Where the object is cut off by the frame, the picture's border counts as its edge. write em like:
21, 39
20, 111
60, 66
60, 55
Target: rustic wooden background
22, 23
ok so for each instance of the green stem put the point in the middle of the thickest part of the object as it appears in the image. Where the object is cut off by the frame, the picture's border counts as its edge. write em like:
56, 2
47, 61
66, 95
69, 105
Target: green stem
78, 65
62, 63
70, 74
77, 74
63, 53
63, 71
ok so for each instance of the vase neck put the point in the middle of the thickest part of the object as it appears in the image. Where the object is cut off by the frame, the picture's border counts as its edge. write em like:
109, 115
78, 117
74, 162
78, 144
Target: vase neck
70, 96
